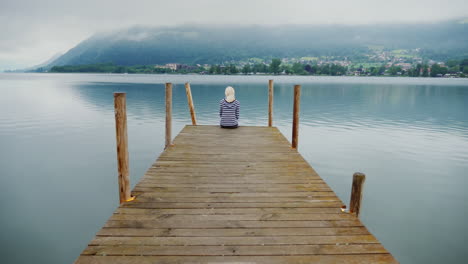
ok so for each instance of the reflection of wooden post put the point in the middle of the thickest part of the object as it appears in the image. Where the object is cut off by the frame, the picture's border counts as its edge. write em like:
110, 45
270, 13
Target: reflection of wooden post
356, 193
168, 114
295, 128
270, 103
190, 103
122, 146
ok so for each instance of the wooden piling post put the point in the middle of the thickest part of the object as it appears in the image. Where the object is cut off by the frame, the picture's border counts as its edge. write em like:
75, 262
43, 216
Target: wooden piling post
356, 193
270, 103
168, 114
122, 146
295, 128
188, 91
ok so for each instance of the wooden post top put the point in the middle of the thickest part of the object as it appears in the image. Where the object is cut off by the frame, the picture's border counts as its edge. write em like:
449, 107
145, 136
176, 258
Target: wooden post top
356, 193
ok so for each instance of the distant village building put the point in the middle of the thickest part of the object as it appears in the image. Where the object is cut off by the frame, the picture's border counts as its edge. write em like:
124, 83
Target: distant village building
171, 66
404, 66
175, 66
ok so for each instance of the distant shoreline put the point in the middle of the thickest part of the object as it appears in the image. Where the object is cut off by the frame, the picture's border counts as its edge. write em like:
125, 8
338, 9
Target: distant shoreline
236, 75
262, 74
277, 67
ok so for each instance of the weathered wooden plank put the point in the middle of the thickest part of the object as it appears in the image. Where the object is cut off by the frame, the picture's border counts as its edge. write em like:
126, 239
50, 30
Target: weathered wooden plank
217, 131
227, 159
239, 217
228, 211
298, 165
232, 168
239, 189
185, 137
219, 194
233, 156
213, 150
217, 171
171, 223
251, 250
236, 180
234, 241
269, 167
322, 259
264, 165
289, 154
152, 199
242, 131
233, 185
230, 171
242, 141
318, 204
213, 232
225, 168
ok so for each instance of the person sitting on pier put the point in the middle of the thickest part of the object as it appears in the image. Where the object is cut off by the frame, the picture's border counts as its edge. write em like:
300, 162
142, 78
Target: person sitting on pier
229, 109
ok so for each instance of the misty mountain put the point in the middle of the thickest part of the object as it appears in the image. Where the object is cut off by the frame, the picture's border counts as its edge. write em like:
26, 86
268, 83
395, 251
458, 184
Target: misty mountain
142, 45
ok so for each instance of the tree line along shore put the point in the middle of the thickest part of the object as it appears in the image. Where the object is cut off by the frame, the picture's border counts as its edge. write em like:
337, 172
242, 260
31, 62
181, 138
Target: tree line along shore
451, 68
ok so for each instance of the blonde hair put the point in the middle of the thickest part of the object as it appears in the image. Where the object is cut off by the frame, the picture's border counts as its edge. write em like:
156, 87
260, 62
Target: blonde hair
230, 94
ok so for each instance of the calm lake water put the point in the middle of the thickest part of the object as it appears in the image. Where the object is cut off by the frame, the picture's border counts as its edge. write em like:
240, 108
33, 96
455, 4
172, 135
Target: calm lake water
58, 171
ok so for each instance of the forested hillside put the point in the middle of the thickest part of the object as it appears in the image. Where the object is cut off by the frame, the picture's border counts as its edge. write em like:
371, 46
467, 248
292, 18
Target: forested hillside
219, 44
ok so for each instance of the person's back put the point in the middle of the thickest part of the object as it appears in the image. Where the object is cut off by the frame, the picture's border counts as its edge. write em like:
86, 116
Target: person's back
229, 110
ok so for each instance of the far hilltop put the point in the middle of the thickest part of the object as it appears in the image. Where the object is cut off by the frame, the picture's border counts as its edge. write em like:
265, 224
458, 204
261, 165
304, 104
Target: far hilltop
142, 45
359, 48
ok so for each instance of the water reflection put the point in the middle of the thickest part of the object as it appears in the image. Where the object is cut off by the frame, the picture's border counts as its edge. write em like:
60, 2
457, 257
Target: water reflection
344, 105
410, 136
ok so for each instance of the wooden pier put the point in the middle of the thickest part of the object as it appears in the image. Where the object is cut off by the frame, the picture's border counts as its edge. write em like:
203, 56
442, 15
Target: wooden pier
233, 196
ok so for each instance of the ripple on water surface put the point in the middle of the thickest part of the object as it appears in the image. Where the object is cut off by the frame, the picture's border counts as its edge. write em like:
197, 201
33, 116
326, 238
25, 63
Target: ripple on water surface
410, 136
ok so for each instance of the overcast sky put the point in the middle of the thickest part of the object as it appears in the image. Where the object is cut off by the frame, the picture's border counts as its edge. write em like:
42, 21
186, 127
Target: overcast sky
32, 31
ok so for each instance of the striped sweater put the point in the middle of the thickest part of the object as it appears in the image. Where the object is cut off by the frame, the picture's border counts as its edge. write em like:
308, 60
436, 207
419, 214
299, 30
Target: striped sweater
229, 113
